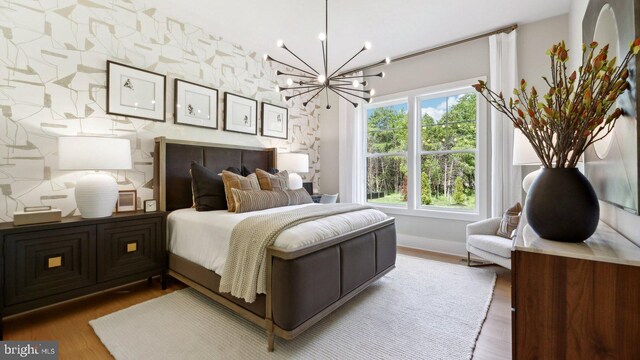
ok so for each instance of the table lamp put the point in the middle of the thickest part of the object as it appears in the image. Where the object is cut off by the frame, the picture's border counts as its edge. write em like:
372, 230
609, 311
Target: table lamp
96, 193
294, 163
523, 154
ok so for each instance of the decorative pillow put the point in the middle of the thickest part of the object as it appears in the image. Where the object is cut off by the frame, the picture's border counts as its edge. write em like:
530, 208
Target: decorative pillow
279, 181
272, 171
245, 171
207, 189
246, 201
510, 221
235, 181
298, 196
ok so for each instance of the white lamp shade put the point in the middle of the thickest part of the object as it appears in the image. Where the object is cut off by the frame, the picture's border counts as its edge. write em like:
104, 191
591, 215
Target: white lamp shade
523, 153
94, 153
298, 163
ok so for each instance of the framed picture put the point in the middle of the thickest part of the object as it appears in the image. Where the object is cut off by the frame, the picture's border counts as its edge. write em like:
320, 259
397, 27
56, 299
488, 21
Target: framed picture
135, 92
240, 114
127, 201
195, 105
275, 121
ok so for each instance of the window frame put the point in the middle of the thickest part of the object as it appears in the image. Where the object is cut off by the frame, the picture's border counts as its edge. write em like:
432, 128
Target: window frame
413, 98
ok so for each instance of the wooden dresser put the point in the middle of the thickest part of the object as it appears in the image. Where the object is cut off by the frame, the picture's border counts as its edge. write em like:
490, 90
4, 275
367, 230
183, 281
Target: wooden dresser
48, 263
576, 301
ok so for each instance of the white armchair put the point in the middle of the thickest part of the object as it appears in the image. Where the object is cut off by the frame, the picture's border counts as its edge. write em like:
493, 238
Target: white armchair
482, 241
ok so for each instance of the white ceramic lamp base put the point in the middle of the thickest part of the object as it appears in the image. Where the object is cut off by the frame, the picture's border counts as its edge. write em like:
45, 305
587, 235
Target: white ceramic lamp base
295, 181
96, 195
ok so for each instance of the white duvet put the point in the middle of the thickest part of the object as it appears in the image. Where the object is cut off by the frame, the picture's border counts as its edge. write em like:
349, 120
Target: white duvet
203, 237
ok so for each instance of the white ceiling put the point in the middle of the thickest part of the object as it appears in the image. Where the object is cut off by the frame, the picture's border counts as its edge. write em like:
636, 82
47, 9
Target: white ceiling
394, 28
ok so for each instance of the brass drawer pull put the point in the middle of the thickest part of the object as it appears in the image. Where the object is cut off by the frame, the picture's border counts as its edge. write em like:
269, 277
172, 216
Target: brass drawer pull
54, 262
132, 247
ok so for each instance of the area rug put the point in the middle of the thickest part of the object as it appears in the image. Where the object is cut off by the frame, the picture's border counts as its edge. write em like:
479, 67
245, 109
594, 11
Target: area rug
422, 310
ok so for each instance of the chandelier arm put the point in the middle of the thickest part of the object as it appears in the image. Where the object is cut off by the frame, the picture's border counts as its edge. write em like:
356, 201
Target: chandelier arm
356, 77
324, 57
296, 75
351, 89
269, 58
326, 34
352, 103
311, 98
302, 61
348, 61
354, 95
341, 81
302, 93
299, 87
361, 68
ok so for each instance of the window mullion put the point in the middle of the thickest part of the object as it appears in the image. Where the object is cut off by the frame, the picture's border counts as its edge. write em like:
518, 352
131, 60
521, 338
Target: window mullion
413, 192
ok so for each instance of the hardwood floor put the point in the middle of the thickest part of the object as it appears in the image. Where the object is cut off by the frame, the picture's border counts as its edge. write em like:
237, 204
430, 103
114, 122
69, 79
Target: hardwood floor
69, 322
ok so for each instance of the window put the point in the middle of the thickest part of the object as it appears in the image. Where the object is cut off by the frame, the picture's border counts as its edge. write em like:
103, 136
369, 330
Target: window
423, 150
387, 137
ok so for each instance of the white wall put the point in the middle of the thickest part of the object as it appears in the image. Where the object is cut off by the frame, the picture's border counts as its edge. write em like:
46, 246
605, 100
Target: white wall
53, 70
624, 222
455, 63
329, 179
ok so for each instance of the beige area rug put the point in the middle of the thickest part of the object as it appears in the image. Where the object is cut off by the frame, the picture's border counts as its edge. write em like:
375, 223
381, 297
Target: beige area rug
421, 310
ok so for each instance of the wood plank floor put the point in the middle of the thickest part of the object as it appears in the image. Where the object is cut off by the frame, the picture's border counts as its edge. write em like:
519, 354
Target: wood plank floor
69, 322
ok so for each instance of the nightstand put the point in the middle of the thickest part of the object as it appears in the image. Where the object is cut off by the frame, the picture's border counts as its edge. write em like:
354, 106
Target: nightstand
48, 263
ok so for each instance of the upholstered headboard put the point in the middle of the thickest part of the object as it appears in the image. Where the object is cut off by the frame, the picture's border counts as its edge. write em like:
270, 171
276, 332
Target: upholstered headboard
172, 160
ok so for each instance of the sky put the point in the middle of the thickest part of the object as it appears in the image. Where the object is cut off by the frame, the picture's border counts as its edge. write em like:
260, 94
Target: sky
436, 107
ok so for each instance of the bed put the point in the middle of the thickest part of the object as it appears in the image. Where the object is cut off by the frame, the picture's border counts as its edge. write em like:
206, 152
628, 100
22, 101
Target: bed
303, 284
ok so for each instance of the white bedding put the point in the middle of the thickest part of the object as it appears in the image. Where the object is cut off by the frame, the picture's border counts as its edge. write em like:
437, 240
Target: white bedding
203, 237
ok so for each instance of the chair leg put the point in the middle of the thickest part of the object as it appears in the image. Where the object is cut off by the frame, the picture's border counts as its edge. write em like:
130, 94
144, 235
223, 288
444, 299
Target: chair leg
468, 258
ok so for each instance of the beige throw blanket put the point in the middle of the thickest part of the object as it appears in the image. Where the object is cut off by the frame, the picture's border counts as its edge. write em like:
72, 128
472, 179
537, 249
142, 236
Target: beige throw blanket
244, 272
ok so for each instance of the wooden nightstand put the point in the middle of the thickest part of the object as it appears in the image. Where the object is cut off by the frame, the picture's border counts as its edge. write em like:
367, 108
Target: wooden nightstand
47, 263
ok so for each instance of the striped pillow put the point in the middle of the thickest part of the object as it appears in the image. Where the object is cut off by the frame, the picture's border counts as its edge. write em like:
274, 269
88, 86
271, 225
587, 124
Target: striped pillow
247, 201
510, 220
235, 181
279, 181
298, 196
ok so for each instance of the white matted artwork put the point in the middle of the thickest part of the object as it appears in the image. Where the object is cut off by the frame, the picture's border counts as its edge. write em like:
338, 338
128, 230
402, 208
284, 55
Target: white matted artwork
195, 105
275, 121
135, 92
240, 114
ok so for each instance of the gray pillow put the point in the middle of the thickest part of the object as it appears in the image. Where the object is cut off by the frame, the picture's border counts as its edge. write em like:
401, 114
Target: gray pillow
207, 188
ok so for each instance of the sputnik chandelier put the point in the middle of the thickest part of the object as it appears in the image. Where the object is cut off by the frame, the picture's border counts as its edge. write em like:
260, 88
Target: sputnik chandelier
346, 84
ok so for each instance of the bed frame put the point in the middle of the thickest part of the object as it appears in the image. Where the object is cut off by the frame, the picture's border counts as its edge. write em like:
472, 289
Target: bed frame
303, 285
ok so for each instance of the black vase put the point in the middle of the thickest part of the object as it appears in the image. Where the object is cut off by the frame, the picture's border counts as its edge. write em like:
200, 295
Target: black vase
562, 206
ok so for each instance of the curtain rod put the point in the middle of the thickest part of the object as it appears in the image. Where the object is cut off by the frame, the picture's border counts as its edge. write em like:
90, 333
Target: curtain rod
507, 30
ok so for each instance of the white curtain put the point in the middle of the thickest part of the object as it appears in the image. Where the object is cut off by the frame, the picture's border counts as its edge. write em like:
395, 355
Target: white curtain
351, 153
505, 178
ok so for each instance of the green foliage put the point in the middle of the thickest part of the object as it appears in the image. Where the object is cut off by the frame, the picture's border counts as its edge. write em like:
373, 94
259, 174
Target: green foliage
426, 189
458, 191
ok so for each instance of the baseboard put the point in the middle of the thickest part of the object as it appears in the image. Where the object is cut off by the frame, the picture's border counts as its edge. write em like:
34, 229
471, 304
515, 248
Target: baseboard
448, 247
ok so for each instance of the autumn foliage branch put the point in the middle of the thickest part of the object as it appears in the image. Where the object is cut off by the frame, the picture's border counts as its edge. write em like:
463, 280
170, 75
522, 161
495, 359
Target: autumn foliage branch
575, 111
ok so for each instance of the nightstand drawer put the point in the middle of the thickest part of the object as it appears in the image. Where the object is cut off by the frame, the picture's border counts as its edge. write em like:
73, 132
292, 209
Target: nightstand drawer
43, 263
129, 247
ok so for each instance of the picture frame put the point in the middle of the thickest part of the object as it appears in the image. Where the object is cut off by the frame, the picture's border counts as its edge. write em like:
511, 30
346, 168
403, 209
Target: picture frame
240, 114
195, 105
275, 121
135, 92
127, 201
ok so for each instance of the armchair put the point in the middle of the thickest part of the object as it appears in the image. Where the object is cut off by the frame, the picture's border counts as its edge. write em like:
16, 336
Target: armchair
482, 241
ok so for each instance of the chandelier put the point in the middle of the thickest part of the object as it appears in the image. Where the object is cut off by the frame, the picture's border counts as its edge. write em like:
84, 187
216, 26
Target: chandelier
310, 82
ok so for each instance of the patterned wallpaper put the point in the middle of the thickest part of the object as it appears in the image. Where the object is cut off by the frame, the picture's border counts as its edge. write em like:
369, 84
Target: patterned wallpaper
53, 57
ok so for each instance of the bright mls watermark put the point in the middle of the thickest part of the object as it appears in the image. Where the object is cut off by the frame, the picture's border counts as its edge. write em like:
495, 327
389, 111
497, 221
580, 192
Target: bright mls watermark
41, 350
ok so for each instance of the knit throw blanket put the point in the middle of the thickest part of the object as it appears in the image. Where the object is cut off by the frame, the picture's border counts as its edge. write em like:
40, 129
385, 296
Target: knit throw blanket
244, 270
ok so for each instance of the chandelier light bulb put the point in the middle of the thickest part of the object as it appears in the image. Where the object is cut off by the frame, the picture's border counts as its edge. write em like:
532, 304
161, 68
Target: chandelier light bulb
367, 45
322, 36
383, 75
355, 83
372, 92
289, 81
279, 43
321, 79
370, 100
265, 57
277, 88
387, 60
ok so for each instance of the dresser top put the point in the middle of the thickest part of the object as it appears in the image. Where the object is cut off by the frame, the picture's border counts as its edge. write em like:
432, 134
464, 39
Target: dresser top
606, 245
